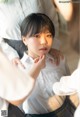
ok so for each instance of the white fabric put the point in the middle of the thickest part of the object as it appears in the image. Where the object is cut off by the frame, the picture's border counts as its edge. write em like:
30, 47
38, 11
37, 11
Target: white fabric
14, 84
69, 85
77, 112
37, 103
12, 12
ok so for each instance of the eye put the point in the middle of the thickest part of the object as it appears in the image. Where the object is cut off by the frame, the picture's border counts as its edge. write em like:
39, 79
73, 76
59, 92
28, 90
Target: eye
37, 35
49, 35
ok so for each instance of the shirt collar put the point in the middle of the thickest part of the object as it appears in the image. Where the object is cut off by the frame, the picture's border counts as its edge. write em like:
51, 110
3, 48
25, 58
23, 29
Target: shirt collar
27, 58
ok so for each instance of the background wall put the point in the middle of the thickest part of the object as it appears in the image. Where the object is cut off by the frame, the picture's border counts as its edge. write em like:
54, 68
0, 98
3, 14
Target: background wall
70, 38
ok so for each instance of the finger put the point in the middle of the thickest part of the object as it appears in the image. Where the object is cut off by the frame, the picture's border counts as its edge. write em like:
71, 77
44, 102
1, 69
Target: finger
36, 60
43, 56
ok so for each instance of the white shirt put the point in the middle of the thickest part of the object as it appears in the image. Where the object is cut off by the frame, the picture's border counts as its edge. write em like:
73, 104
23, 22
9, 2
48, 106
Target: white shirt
69, 85
37, 103
12, 13
14, 83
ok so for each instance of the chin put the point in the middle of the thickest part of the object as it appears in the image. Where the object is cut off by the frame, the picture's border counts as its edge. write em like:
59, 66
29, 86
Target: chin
44, 53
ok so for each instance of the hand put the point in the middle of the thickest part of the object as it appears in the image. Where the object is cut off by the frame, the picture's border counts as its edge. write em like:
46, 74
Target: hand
40, 62
56, 55
16, 61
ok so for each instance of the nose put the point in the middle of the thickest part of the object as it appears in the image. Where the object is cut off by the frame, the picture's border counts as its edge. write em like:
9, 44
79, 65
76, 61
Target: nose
43, 40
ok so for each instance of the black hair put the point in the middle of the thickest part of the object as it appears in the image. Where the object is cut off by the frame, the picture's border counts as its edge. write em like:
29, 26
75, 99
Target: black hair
34, 23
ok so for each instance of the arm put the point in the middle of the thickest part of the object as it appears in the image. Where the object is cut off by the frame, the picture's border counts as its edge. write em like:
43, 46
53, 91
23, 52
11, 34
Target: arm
39, 63
65, 8
16, 85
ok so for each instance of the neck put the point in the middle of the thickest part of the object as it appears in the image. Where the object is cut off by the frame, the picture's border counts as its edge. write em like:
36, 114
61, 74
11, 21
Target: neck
32, 55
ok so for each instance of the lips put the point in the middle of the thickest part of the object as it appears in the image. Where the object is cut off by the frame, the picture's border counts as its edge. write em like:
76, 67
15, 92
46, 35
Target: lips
43, 49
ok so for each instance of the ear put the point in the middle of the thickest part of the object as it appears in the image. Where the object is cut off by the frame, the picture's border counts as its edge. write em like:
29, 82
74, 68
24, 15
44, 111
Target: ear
24, 39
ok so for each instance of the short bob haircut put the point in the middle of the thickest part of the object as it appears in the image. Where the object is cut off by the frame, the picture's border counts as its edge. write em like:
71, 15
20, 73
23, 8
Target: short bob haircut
35, 23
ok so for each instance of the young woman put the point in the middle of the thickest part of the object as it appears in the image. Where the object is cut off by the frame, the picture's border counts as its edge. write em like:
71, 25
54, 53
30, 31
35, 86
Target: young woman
37, 32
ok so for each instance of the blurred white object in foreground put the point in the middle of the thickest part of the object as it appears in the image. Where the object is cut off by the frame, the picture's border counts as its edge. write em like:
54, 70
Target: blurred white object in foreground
69, 85
14, 83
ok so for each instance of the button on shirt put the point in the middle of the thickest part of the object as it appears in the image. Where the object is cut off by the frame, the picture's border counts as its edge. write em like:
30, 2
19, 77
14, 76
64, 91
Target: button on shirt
37, 103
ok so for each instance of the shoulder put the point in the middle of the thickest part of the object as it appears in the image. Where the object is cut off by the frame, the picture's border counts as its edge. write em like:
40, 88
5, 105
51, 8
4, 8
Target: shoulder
24, 58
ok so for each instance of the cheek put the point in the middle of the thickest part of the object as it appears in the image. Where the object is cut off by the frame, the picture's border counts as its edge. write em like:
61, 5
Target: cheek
33, 43
50, 42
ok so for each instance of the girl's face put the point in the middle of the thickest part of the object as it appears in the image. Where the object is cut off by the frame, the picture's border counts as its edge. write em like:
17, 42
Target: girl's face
38, 44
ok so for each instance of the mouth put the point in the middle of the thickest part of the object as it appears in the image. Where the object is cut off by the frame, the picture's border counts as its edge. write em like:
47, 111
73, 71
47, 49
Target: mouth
43, 49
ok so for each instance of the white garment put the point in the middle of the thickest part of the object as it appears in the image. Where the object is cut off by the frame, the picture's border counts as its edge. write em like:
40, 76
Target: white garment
12, 13
77, 112
37, 103
69, 85
14, 84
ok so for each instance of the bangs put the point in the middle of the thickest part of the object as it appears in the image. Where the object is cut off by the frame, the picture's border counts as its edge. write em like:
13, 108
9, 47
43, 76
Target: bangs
37, 28
36, 23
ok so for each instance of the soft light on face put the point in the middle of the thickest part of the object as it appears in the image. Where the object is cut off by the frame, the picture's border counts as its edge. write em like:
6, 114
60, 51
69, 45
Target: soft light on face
39, 44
